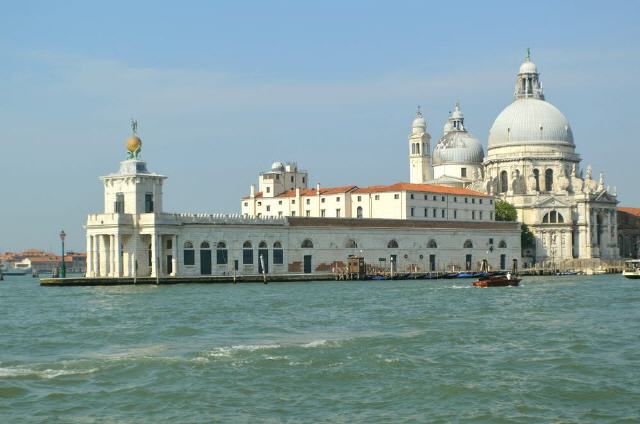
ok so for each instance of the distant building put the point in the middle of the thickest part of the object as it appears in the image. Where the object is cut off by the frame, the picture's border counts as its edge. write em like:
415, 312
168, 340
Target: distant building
42, 261
629, 232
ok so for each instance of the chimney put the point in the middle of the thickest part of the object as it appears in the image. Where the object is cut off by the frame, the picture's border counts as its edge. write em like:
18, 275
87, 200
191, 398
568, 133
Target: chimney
318, 189
252, 192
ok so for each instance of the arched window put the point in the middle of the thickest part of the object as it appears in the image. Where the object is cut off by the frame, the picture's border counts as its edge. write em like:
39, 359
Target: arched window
504, 182
189, 256
351, 244
392, 244
502, 244
432, 244
536, 175
548, 180
278, 253
468, 245
417, 148
359, 212
222, 255
262, 245
413, 148
247, 253
552, 217
307, 244
204, 245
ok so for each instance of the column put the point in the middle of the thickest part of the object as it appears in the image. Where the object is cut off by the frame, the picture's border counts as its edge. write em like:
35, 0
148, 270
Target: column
96, 256
154, 255
118, 253
174, 255
89, 258
111, 255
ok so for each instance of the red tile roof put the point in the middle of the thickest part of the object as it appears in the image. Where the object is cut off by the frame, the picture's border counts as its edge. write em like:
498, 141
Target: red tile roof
632, 211
428, 188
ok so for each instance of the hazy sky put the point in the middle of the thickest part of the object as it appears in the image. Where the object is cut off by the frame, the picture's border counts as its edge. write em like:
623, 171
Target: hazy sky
223, 89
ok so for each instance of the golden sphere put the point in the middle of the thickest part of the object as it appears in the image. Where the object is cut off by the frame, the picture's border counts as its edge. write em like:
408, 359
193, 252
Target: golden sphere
134, 144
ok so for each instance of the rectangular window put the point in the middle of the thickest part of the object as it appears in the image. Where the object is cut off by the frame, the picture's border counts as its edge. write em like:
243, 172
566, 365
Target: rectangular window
473, 200
308, 201
293, 201
359, 198
412, 211
222, 256
169, 244
279, 213
426, 197
268, 189
455, 199
337, 213
463, 172
443, 198
307, 213
377, 197
411, 195
278, 256
426, 212
279, 202
303, 180
322, 200
442, 213
491, 216
247, 256
148, 203
337, 199
480, 201
473, 214
480, 214
491, 201
455, 214
435, 198
292, 178
119, 205
259, 203
246, 203
466, 200
396, 196
268, 208
490, 241
293, 213
189, 257
433, 213
323, 213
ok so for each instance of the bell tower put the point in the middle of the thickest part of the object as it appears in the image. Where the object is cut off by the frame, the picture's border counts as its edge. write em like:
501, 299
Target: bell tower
420, 170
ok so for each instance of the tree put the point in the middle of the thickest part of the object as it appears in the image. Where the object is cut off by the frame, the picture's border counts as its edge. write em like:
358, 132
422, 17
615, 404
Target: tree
527, 240
505, 211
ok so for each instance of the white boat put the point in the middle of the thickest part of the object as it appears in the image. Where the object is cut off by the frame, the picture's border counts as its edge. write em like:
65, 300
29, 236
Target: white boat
16, 268
632, 268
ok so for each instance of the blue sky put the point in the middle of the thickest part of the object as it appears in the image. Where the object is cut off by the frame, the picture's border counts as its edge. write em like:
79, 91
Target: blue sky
222, 89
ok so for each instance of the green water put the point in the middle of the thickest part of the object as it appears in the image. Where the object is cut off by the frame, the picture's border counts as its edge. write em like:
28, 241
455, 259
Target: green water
563, 350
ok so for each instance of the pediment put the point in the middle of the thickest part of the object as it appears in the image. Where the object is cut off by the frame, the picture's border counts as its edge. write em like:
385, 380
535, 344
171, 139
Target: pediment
551, 202
604, 196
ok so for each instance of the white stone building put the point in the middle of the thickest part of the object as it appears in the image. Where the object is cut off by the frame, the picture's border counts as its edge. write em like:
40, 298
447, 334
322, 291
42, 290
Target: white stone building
532, 163
134, 237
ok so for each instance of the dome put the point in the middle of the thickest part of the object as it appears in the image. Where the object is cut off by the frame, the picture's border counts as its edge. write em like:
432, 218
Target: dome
528, 67
133, 144
458, 147
419, 122
277, 166
530, 120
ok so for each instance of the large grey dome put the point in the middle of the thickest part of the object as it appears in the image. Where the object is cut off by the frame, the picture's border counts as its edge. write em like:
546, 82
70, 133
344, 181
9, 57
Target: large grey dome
458, 147
530, 120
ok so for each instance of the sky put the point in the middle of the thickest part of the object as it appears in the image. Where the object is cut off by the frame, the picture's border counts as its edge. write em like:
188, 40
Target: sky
223, 89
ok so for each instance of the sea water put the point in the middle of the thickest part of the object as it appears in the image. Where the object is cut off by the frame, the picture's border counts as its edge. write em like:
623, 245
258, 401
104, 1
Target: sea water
555, 349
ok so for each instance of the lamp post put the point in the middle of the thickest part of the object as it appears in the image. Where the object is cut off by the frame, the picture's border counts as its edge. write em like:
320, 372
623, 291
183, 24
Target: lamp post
63, 267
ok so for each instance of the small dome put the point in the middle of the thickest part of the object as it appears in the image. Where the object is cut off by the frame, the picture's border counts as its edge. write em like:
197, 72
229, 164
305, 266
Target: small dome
530, 120
277, 166
458, 147
528, 67
133, 144
419, 122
